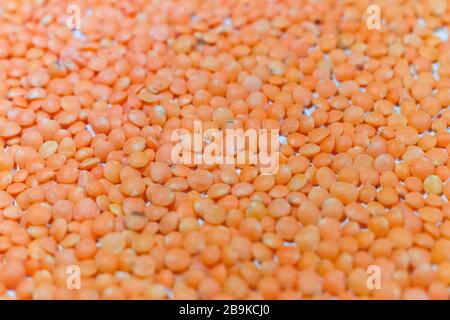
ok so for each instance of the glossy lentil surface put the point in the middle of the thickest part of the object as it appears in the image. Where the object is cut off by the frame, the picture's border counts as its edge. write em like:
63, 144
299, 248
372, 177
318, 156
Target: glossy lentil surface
86, 177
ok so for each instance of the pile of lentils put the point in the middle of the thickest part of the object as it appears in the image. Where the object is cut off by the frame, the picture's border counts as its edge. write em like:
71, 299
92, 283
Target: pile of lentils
88, 187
